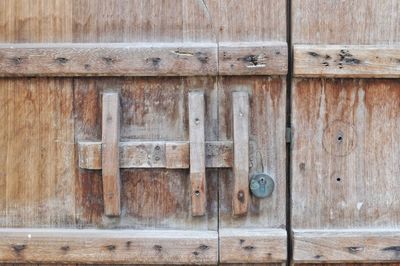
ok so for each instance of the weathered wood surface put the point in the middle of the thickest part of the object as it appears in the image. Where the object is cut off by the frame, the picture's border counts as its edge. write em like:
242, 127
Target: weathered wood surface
108, 59
240, 136
267, 118
346, 245
252, 58
37, 161
252, 245
347, 22
345, 153
110, 153
367, 61
153, 109
156, 154
344, 130
197, 152
108, 246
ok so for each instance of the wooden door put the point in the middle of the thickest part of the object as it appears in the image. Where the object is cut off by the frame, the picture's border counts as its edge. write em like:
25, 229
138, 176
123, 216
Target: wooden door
345, 121
130, 129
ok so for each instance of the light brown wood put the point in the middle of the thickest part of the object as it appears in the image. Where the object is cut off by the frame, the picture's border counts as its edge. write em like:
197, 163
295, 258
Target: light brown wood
344, 164
252, 58
108, 59
156, 154
153, 109
367, 61
110, 153
37, 157
197, 153
346, 245
108, 246
240, 128
252, 245
345, 22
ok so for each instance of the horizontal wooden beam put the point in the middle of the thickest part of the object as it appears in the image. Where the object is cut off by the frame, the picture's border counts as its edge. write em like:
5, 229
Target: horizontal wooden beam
363, 61
108, 59
156, 154
253, 245
108, 246
143, 59
253, 58
336, 246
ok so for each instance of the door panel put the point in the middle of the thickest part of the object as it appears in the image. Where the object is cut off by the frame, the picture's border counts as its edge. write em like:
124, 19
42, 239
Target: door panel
259, 235
345, 115
56, 190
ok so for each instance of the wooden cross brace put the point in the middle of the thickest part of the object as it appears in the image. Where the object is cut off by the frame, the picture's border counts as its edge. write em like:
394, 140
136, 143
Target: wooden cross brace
196, 154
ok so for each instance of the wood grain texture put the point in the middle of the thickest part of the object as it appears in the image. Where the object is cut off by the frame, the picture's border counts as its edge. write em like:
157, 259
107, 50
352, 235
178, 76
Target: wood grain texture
252, 58
267, 98
108, 59
154, 109
251, 20
108, 246
367, 61
197, 152
156, 154
240, 136
110, 127
252, 245
345, 22
346, 245
37, 161
345, 153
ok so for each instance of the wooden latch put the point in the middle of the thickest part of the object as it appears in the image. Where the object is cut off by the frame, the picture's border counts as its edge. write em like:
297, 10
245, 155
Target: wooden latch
196, 154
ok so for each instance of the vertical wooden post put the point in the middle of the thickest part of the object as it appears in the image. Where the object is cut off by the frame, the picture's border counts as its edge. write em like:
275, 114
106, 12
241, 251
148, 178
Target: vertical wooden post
197, 153
240, 110
110, 154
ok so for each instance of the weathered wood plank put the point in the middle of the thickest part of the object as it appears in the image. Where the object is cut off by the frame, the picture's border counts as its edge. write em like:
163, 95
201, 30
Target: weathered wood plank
156, 154
37, 161
345, 153
110, 153
197, 152
108, 59
367, 61
252, 58
108, 246
344, 22
252, 245
240, 127
267, 114
353, 245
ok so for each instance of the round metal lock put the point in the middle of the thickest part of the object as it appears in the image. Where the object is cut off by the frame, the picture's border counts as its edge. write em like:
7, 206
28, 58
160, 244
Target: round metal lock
261, 185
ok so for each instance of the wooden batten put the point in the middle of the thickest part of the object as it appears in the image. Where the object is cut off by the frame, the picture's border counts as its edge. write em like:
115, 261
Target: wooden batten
108, 246
110, 154
197, 153
143, 59
240, 128
252, 245
253, 58
156, 154
348, 61
341, 246
108, 59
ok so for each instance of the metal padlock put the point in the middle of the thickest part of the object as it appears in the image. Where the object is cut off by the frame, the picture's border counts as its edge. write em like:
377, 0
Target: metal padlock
261, 185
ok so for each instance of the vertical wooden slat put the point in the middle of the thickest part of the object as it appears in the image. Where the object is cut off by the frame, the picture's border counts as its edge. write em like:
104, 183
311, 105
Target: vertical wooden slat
240, 109
110, 154
197, 153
